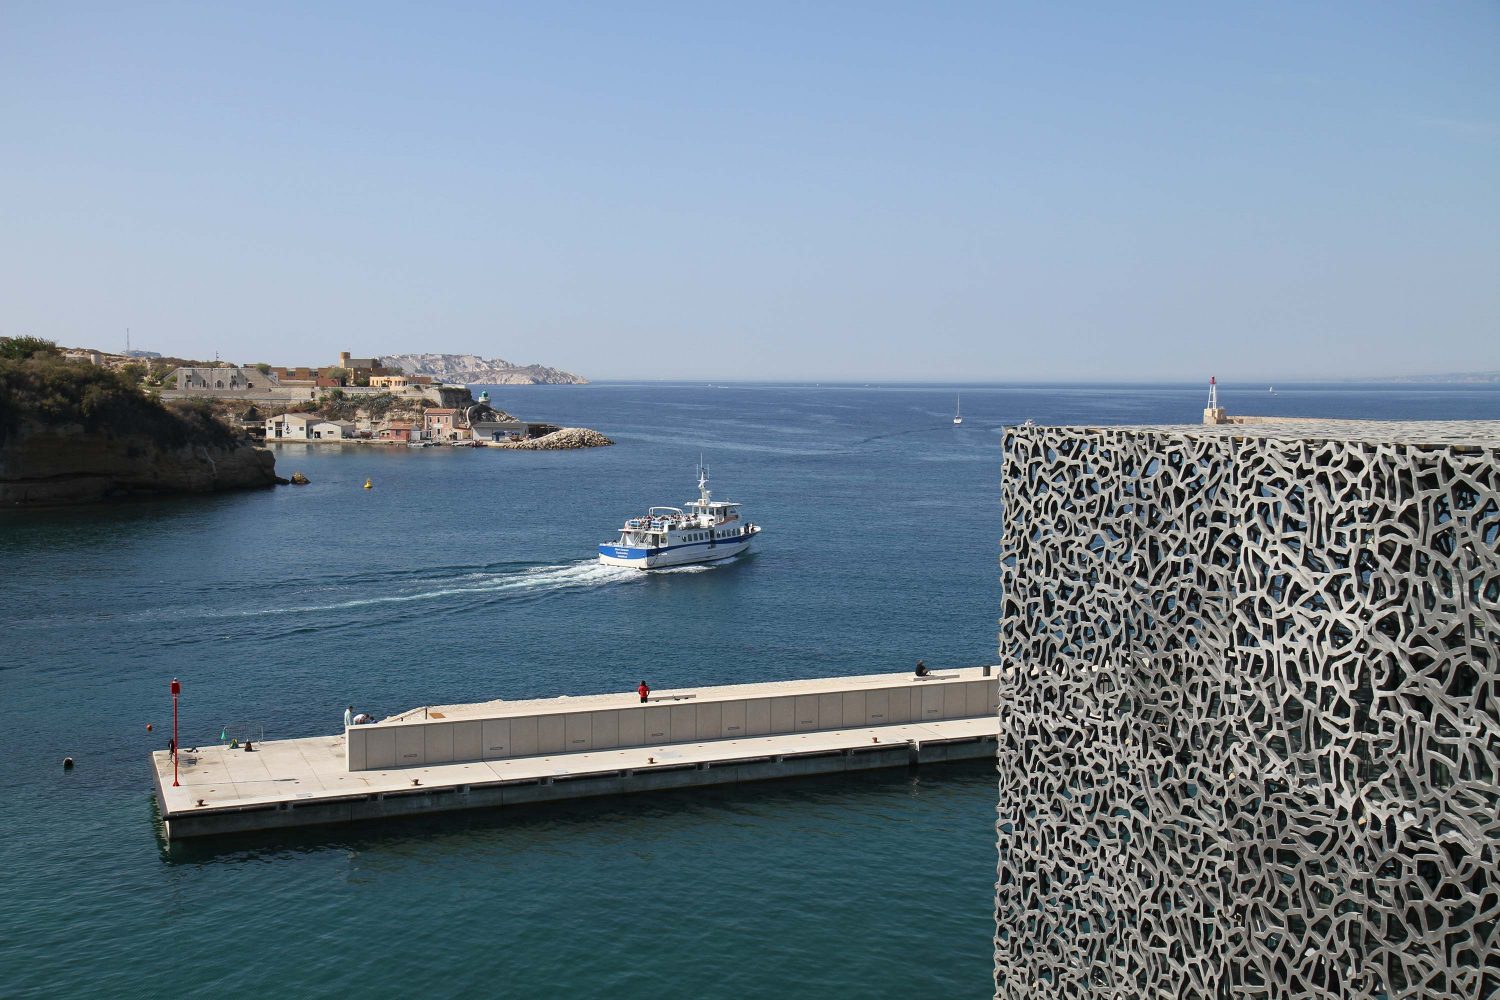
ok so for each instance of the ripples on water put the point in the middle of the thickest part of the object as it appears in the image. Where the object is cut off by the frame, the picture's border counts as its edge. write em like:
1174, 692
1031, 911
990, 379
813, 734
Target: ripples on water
468, 575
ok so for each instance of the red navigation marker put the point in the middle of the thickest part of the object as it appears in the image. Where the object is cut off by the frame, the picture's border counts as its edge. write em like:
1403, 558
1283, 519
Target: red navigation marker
176, 690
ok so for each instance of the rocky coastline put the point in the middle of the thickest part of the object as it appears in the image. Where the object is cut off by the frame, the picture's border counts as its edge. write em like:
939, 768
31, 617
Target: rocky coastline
49, 466
76, 433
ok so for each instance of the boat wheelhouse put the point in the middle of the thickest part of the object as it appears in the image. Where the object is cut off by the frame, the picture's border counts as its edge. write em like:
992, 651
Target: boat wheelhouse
704, 530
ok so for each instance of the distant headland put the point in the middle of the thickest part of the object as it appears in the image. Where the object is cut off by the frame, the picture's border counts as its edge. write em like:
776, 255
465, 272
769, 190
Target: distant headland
78, 425
483, 371
1462, 378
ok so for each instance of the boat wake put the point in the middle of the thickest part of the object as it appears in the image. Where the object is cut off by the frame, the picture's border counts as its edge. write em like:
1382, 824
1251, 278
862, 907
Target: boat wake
458, 589
533, 581
692, 568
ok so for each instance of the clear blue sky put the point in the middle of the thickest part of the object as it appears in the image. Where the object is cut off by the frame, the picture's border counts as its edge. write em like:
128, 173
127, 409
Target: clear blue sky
864, 191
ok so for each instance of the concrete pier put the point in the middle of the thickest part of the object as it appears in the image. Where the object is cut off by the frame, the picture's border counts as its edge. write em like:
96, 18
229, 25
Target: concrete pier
451, 757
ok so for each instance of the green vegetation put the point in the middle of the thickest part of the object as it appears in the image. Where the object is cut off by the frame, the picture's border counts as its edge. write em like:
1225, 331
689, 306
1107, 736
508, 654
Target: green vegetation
337, 405
160, 374
21, 348
46, 390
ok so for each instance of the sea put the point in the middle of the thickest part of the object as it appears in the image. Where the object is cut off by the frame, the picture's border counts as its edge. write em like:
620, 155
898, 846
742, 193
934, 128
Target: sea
470, 574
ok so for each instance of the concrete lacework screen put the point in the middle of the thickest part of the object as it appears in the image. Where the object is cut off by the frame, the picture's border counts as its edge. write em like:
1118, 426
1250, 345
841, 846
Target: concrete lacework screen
1249, 732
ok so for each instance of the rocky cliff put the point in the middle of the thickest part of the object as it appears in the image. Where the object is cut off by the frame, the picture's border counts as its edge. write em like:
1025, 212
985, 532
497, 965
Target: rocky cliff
66, 465
78, 433
482, 371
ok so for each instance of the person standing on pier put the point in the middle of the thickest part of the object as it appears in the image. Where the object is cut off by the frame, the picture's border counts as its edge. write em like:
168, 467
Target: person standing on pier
348, 716
643, 691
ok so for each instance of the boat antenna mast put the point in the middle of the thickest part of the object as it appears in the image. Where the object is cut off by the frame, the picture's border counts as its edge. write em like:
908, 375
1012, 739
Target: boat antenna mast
703, 493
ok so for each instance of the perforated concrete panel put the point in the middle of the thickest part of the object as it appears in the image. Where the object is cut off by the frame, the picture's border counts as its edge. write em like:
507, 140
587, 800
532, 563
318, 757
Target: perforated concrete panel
1249, 737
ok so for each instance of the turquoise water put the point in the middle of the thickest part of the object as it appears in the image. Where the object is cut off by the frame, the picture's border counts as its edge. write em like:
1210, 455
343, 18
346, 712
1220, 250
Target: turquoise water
468, 574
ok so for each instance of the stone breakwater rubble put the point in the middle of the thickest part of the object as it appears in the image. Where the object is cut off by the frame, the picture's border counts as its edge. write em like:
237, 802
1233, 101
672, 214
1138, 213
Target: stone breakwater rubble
560, 440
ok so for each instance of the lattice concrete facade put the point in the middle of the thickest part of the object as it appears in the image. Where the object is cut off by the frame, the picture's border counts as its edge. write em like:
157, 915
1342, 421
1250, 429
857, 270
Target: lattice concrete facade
1249, 730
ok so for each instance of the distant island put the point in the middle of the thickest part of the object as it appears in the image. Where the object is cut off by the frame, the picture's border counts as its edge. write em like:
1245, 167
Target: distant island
484, 371
1480, 378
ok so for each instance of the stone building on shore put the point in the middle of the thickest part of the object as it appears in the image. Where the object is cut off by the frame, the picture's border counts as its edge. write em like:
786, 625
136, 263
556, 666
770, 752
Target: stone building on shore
293, 385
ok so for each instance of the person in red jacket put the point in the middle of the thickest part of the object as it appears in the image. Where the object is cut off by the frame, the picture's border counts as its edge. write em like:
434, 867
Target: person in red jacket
643, 690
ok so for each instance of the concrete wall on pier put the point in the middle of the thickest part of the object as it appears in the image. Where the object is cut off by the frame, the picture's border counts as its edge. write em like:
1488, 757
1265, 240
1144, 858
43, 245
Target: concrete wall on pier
558, 730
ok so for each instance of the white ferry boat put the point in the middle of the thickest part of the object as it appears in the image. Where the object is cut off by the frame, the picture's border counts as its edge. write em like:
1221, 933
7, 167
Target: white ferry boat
706, 531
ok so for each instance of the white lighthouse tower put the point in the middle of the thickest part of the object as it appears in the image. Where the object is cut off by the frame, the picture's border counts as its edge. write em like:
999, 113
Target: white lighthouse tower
1214, 413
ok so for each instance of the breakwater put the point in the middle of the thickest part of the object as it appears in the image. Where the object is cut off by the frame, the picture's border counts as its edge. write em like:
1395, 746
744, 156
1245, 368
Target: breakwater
491, 754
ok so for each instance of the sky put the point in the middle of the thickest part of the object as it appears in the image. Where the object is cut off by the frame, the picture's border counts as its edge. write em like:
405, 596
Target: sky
940, 191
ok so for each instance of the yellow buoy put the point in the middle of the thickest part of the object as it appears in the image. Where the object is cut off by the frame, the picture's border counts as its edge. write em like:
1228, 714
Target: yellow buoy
369, 485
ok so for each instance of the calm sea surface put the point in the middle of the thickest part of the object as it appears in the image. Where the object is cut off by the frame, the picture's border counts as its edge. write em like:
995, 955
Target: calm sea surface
469, 574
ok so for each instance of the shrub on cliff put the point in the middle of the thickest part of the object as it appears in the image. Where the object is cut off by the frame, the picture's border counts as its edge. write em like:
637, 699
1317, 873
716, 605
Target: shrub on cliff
338, 405
50, 392
21, 348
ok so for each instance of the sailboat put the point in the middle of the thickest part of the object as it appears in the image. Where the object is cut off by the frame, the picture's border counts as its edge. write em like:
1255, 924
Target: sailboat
958, 410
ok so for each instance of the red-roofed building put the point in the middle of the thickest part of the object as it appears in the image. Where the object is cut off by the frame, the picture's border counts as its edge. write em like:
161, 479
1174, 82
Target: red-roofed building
396, 430
441, 423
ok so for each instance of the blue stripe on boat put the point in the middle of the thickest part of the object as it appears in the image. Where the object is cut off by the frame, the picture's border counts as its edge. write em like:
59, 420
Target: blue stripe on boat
624, 552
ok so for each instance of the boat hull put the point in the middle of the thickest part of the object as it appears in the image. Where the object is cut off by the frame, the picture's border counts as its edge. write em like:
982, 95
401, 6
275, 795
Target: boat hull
672, 555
